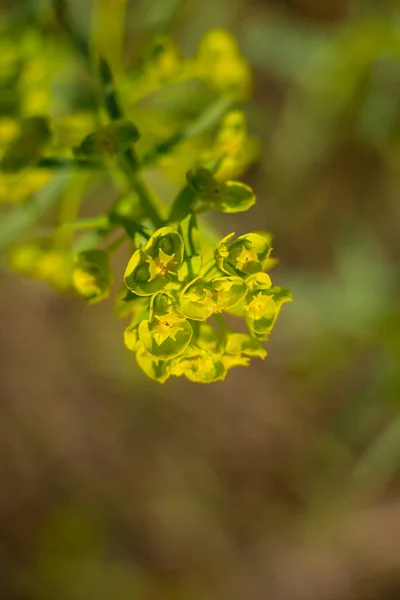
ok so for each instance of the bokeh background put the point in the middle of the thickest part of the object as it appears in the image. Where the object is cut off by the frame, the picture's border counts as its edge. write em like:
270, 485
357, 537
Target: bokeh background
281, 483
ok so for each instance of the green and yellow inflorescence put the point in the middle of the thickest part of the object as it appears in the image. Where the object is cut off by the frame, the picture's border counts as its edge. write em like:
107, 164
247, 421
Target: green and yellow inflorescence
55, 148
173, 298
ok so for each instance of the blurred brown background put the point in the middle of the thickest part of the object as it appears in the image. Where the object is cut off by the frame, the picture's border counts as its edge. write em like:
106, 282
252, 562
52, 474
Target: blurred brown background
281, 483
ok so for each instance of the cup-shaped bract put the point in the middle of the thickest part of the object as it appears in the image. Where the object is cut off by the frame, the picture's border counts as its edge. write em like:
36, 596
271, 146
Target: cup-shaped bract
92, 276
197, 300
228, 197
242, 344
114, 138
198, 365
248, 254
208, 338
200, 298
154, 368
166, 333
203, 182
165, 336
234, 197
169, 242
151, 269
259, 305
227, 292
131, 337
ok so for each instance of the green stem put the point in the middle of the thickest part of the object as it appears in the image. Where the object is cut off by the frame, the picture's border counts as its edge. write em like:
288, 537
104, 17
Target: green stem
57, 164
107, 32
205, 121
64, 18
210, 117
99, 223
183, 203
128, 162
139, 186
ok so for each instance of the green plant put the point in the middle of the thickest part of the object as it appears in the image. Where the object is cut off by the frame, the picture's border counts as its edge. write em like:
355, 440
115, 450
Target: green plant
59, 150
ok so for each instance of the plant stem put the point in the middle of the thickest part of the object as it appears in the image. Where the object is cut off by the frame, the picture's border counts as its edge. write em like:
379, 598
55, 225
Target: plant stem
107, 32
203, 122
139, 186
64, 18
183, 203
54, 163
128, 162
99, 223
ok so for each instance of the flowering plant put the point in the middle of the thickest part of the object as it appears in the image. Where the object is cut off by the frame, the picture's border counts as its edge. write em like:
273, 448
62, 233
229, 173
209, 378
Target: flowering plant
58, 152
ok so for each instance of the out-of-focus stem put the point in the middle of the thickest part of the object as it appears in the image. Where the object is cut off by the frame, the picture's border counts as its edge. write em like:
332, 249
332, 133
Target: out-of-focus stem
107, 32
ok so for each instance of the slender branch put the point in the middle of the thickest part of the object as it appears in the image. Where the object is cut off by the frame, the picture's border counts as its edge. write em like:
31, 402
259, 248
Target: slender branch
58, 164
97, 223
183, 203
128, 162
64, 18
107, 31
205, 121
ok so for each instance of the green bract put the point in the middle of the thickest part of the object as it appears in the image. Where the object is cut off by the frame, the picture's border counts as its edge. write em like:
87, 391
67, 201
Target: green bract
131, 337
259, 305
114, 138
167, 333
199, 366
203, 182
152, 367
200, 298
197, 301
228, 197
247, 254
208, 338
179, 281
244, 344
151, 269
91, 275
234, 197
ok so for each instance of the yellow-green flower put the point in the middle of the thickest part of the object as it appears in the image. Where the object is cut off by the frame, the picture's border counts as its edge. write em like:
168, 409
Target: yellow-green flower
152, 268
247, 254
166, 333
198, 365
201, 298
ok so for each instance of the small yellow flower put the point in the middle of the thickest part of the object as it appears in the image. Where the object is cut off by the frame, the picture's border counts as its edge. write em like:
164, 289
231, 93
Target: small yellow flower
160, 265
260, 306
167, 327
245, 256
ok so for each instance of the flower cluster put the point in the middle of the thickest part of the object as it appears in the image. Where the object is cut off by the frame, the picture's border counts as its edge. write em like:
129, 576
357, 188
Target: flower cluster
174, 300
64, 136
